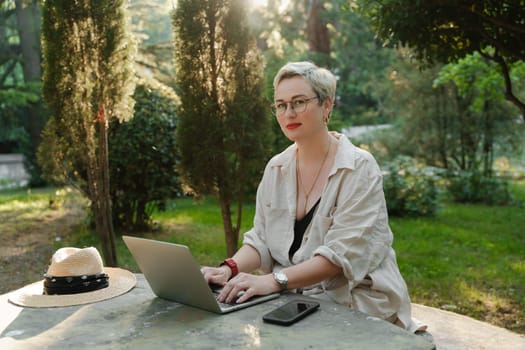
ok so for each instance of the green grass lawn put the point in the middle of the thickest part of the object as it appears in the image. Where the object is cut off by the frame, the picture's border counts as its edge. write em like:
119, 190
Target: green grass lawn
468, 259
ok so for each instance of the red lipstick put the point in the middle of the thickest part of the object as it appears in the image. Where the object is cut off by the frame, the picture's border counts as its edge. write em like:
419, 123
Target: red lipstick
292, 126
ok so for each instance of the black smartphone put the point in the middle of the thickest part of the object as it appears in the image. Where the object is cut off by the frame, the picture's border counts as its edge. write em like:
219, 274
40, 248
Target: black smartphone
291, 312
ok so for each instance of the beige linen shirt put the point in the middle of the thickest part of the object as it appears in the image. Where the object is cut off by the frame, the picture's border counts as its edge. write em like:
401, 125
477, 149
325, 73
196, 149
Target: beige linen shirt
349, 228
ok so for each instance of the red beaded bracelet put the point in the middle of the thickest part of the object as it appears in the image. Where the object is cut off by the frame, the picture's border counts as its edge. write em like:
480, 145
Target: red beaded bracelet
232, 265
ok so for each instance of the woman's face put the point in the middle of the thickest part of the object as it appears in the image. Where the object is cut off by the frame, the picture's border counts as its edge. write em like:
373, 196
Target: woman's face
299, 125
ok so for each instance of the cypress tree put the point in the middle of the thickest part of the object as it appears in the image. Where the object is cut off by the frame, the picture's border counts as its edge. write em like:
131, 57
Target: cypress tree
223, 118
87, 80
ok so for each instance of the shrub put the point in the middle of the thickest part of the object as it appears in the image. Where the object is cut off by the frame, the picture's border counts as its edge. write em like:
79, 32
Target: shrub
143, 158
411, 189
474, 187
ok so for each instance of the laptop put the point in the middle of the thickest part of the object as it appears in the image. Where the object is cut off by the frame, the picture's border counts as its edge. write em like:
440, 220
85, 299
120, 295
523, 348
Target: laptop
173, 274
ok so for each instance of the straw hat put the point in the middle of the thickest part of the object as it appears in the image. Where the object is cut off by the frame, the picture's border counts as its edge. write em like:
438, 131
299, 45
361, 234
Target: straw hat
75, 277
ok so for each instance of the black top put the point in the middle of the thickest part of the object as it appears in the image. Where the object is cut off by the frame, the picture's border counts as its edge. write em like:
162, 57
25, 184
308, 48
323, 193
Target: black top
299, 228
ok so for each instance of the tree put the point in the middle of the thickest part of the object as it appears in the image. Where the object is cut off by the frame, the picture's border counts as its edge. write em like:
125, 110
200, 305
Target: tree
223, 117
479, 84
87, 81
447, 30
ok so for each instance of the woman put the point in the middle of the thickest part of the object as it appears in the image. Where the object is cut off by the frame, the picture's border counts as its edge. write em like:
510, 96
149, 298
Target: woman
321, 224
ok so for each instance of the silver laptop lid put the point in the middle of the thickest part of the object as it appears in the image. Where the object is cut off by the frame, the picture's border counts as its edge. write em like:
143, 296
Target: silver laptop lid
172, 272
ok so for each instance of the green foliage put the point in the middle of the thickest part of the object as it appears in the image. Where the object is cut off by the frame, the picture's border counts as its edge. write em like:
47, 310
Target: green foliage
22, 96
479, 78
444, 126
14, 134
143, 158
474, 187
447, 30
411, 189
486, 121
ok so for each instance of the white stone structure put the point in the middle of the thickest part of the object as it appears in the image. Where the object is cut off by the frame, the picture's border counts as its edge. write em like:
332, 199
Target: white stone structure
12, 171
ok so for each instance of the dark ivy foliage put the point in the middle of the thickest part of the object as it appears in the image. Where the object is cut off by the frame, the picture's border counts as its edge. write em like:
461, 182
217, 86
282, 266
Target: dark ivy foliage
143, 158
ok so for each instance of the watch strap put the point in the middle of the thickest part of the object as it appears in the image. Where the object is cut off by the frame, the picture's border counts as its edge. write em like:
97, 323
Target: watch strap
232, 265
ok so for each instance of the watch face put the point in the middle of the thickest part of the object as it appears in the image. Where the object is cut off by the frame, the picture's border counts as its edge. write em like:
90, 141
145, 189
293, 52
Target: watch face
281, 277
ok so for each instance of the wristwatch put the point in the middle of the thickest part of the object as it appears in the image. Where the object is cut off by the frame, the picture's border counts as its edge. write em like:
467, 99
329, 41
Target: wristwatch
281, 278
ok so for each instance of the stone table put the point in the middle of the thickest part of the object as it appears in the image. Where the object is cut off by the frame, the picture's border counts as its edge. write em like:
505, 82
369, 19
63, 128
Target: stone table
140, 320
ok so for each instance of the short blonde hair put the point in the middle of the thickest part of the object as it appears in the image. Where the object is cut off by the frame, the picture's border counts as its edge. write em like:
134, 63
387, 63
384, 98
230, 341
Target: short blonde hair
322, 81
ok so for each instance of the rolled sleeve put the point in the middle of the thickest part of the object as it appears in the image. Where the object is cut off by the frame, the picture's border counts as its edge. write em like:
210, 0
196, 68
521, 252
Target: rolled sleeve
256, 240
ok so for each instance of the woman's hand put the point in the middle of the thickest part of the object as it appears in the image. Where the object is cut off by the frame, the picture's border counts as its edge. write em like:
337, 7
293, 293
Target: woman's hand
216, 275
248, 285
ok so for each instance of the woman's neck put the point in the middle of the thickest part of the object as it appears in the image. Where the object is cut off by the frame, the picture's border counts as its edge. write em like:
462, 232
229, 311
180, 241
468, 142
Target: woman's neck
314, 149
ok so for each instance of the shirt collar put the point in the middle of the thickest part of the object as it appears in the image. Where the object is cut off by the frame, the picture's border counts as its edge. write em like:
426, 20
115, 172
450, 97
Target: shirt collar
344, 158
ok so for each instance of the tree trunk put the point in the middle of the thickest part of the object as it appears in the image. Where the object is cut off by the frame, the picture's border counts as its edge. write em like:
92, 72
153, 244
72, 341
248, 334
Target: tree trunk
140, 215
28, 22
488, 140
98, 182
231, 233
105, 197
505, 72
443, 127
317, 32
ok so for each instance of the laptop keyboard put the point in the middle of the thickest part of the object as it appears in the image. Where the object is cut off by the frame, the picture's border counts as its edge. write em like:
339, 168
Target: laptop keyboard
216, 290
223, 304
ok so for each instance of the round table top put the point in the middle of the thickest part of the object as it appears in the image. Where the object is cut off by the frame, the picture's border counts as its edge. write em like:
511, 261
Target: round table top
141, 320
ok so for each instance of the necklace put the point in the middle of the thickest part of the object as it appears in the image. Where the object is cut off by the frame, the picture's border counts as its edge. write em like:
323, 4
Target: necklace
307, 193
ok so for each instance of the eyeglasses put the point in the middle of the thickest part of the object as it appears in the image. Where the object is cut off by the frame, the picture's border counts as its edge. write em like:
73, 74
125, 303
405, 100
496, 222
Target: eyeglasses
298, 105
